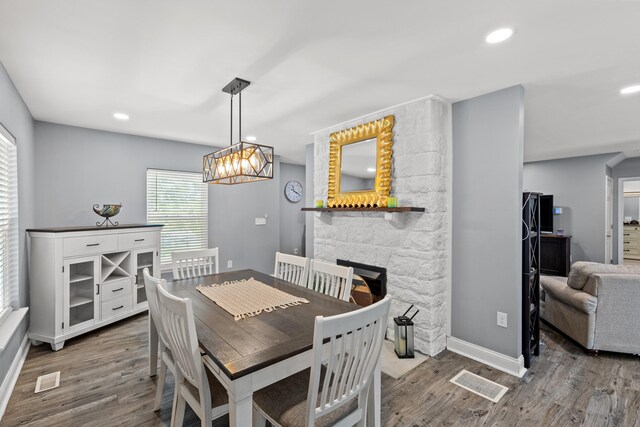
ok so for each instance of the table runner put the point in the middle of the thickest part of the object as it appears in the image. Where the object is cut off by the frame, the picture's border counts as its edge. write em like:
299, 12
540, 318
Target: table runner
248, 297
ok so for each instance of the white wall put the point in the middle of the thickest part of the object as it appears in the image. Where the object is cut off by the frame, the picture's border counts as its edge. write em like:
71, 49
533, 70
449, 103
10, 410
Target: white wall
487, 220
415, 251
79, 167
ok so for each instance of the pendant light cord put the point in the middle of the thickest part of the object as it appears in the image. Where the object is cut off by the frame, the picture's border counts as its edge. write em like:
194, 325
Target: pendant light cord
240, 117
231, 125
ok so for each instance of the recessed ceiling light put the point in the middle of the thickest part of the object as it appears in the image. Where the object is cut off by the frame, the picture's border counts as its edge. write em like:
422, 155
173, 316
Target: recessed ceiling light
371, 169
121, 116
630, 89
499, 35
251, 138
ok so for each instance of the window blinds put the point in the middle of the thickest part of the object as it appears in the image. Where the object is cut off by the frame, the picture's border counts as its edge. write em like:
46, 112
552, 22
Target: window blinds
9, 285
179, 201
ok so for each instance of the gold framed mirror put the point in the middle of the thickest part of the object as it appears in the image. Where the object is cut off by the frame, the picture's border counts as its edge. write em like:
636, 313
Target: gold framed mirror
360, 165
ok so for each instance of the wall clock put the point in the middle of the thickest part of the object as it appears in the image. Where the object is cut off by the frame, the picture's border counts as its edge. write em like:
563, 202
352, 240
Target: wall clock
293, 191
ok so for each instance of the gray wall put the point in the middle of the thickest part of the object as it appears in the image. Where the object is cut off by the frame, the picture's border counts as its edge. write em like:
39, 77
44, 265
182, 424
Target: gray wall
309, 202
631, 207
79, 167
16, 118
578, 185
628, 168
291, 217
487, 218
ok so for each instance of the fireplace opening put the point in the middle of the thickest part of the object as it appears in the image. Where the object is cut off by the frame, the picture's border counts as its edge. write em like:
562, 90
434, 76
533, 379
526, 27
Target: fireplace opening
373, 276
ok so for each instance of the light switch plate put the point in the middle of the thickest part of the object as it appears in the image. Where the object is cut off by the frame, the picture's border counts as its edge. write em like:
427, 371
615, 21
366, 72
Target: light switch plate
261, 221
229, 264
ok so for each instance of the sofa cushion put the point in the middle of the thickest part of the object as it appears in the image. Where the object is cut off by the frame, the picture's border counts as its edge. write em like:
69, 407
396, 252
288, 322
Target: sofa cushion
556, 287
582, 270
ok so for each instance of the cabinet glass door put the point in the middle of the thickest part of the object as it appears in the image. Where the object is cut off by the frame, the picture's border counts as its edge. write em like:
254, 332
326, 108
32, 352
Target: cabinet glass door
81, 293
144, 258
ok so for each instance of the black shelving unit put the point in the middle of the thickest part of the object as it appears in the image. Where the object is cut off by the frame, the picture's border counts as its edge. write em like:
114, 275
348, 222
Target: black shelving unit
530, 276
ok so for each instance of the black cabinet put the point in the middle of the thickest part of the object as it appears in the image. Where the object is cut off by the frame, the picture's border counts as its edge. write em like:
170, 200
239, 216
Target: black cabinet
555, 255
530, 276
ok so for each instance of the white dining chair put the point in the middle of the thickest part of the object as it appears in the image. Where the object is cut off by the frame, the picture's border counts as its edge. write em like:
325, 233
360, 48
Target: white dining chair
194, 263
195, 384
334, 392
293, 269
330, 279
151, 285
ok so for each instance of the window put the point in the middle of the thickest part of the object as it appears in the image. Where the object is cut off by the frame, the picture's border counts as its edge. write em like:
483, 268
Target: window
8, 224
179, 201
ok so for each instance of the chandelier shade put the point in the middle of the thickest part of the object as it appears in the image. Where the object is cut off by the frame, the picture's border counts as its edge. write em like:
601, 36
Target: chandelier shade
240, 162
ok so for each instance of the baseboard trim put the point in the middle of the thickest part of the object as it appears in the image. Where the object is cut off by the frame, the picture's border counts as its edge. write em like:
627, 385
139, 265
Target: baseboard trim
12, 376
492, 358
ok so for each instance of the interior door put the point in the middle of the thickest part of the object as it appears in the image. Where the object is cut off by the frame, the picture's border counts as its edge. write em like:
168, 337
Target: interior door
608, 232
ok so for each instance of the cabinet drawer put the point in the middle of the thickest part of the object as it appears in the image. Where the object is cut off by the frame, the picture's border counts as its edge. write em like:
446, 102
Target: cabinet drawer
88, 245
137, 240
116, 307
634, 251
115, 289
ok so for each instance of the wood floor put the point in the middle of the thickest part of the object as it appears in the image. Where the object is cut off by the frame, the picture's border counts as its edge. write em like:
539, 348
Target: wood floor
104, 383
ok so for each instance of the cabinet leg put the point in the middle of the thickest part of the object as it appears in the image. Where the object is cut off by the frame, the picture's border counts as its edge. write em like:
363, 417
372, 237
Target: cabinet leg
35, 343
57, 346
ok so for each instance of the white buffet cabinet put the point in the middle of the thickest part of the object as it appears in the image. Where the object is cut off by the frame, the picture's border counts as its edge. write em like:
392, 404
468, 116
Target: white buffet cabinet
82, 278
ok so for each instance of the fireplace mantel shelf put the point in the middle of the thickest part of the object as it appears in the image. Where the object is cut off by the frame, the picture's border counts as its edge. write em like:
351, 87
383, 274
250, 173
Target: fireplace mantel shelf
383, 209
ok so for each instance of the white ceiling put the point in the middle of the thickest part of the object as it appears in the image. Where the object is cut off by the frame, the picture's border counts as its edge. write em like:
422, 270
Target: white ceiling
314, 64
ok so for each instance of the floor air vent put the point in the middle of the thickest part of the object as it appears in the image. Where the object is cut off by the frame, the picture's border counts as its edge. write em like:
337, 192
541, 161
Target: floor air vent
480, 386
47, 382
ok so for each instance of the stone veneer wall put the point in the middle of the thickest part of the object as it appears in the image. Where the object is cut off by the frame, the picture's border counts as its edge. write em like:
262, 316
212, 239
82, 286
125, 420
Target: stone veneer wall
416, 248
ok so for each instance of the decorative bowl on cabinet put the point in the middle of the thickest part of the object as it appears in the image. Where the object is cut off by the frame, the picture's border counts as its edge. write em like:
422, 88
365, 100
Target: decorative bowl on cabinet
107, 211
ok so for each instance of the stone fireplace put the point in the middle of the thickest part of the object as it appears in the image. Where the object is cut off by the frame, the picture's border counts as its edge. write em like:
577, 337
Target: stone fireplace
414, 247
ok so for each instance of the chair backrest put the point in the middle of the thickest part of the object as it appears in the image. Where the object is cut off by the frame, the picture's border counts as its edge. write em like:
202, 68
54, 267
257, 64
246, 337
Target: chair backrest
151, 285
187, 264
180, 327
330, 279
346, 370
291, 268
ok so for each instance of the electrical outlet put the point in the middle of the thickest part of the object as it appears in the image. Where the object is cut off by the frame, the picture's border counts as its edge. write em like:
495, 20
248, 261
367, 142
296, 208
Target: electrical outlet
229, 264
502, 319
295, 251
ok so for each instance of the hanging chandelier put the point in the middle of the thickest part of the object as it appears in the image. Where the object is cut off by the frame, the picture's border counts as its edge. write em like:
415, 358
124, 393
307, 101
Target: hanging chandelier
240, 162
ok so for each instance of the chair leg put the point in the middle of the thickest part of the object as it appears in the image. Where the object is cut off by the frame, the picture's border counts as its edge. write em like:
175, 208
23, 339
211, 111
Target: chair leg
160, 385
178, 416
363, 400
259, 420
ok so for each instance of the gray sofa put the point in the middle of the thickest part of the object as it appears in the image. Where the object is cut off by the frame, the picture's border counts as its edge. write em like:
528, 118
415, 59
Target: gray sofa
598, 306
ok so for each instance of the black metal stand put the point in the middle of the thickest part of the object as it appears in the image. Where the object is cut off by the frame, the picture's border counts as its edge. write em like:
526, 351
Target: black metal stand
106, 223
530, 276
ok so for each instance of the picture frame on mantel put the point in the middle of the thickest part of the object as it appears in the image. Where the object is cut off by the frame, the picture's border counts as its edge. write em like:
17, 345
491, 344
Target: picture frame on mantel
376, 197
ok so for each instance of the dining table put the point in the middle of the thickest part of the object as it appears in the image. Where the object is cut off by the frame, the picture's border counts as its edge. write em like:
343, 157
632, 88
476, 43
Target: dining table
252, 353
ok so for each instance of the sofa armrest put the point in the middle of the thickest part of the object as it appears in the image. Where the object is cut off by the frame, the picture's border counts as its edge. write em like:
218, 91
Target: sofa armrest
618, 312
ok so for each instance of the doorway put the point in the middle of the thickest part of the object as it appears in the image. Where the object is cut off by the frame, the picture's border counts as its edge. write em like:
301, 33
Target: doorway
629, 221
608, 223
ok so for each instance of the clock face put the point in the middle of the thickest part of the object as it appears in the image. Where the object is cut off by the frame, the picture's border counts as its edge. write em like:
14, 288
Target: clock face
293, 191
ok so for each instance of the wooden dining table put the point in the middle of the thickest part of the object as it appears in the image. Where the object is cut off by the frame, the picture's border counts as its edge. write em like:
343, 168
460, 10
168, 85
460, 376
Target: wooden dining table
252, 353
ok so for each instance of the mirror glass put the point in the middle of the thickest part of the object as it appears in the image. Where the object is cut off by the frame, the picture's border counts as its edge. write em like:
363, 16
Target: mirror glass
358, 166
